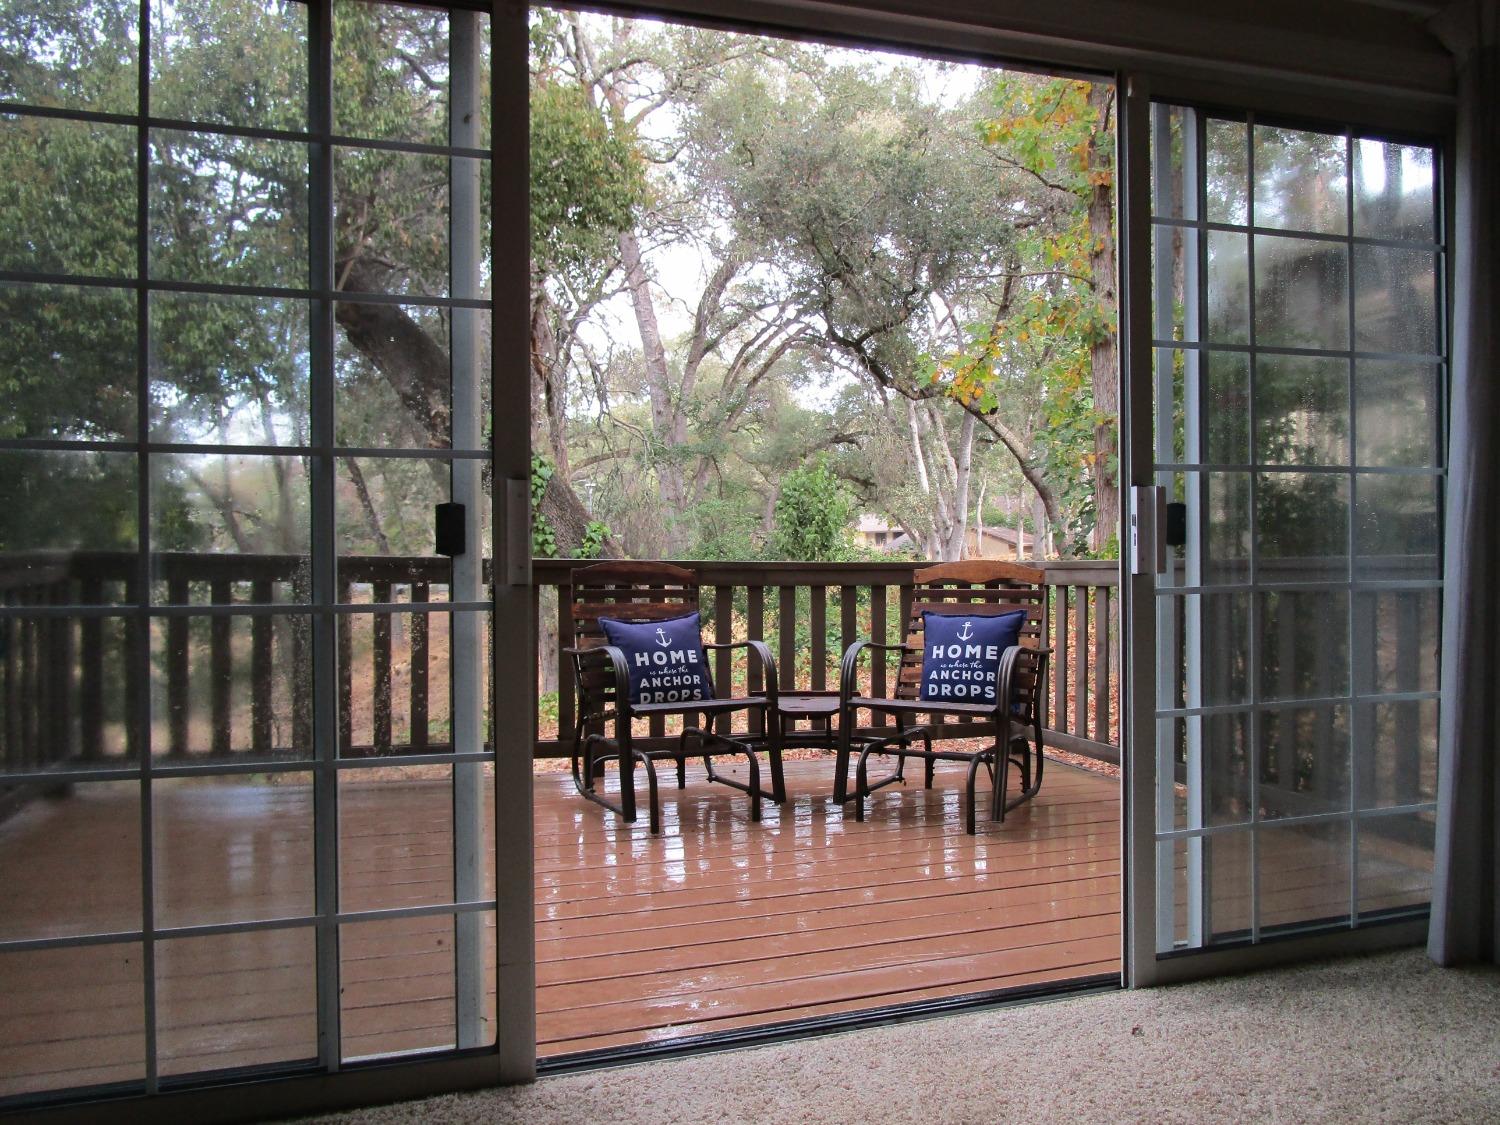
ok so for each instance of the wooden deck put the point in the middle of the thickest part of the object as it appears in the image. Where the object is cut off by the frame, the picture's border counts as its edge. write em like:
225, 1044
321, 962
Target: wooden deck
723, 924
718, 924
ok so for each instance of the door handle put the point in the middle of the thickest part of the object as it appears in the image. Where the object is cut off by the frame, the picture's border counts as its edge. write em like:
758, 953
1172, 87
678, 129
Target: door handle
448, 530
1148, 526
518, 532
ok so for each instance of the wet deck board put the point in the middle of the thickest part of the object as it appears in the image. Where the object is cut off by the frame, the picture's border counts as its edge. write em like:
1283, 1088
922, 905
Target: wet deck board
718, 924
723, 924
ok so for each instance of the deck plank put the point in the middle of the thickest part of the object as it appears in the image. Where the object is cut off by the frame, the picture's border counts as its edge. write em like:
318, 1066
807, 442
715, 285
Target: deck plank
718, 924
722, 925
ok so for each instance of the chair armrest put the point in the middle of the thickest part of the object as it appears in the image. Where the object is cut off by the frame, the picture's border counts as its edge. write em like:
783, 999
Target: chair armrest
849, 666
767, 662
610, 656
1009, 660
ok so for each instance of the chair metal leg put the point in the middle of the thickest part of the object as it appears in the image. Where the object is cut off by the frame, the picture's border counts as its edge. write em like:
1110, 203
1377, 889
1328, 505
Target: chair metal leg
974, 763
998, 801
841, 761
754, 787
655, 815
682, 753
627, 776
773, 757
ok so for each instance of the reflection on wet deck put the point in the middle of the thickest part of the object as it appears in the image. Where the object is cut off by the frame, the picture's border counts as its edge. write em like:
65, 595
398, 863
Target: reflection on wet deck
722, 924
717, 924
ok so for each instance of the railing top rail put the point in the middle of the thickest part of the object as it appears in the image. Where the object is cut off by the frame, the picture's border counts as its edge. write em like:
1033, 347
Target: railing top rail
19, 569
555, 572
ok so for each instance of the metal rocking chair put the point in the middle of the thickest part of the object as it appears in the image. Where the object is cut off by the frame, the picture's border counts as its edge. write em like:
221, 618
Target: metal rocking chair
646, 592
981, 589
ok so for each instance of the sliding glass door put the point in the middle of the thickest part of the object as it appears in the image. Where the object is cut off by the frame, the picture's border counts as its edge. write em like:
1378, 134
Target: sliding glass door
1296, 437
247, 748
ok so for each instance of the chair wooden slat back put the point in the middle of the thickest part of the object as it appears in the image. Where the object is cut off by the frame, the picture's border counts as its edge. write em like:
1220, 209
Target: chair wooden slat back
629, 591
984, 589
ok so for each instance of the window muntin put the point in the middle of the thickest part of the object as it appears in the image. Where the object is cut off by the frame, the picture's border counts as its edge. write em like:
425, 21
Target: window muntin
1299, 373
169, 535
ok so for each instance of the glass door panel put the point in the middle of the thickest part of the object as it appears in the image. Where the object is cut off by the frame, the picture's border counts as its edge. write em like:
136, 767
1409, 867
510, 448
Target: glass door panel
247, 742
1298, 378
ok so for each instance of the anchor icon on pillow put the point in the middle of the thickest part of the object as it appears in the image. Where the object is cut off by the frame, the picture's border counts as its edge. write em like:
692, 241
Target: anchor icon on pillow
662, 638
966, 632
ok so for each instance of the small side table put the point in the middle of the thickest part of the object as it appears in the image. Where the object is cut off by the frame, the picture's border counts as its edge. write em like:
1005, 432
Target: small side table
820, 710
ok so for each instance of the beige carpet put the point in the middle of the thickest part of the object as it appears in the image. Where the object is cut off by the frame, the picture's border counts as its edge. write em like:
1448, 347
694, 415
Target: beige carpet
1382, 1038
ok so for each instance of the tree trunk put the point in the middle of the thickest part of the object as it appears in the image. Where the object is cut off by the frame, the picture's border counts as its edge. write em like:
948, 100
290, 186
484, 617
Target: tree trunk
548, 383
417, 369
547, 643
560, 507
1041, 530
979, 520
962, 474
1104, 353
666, 419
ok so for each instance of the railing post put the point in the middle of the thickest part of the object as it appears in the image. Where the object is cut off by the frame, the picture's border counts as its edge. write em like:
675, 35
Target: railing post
10, 637
755, 628
818, 649
1102, 624
418, 660
1060, 659
723, 634
381, 695
135, 626
177, 672
262, 633
221, 670
31, 750
567, 690
878, 660
301, 628
1081, 672
344, 630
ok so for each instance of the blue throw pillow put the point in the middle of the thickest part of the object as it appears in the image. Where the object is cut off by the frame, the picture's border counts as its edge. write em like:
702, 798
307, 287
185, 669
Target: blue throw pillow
961, 655
666, 658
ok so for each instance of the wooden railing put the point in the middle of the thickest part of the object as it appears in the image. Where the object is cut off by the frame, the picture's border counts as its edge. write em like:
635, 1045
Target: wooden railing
238, 685
810, 612
222, 685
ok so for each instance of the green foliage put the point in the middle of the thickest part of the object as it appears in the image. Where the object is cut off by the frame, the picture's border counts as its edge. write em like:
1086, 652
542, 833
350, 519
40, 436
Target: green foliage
543, 536
1051, 130
80, 54
546, 708
726, 530
594, 537
813, 514
888, 207
81, 501
588, 179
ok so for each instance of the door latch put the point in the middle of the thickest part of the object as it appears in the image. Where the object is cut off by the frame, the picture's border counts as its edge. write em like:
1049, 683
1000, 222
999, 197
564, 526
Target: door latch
1148, 526
448, 527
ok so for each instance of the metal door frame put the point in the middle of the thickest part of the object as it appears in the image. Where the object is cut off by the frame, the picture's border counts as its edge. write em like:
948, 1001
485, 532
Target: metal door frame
1144, 966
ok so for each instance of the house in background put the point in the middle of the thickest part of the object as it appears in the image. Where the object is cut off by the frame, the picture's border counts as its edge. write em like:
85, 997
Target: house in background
874, 533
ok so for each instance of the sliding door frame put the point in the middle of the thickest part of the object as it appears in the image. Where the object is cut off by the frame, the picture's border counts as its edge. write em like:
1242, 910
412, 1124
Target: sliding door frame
1139, 90
958, 33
